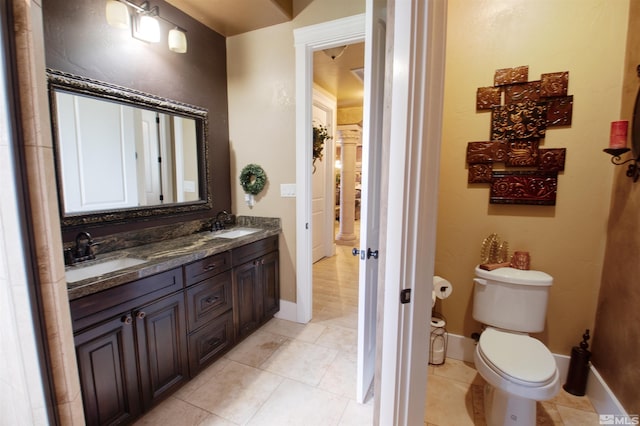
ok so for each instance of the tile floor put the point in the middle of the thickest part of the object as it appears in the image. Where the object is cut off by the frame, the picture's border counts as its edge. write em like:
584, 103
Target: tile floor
294, 374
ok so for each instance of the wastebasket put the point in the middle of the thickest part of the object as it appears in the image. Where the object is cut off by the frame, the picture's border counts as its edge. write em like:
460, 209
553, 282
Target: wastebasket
438, 340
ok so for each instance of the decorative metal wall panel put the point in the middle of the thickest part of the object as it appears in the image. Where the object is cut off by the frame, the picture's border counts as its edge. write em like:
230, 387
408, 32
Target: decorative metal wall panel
486, 152
527, 120
519, 122
559, 111
552, 159
511, 75
523, 153
554, 84
480, 173
537, 188
488, 97
518, 93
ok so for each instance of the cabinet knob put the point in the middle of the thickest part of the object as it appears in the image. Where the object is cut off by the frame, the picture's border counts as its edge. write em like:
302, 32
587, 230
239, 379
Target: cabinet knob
126, 319
141, 314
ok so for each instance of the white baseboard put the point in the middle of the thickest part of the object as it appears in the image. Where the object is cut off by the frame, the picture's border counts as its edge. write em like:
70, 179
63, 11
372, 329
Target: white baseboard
288, 311
604, 401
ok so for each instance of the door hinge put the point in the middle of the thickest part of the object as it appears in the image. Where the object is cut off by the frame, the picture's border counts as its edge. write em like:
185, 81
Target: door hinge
405, 296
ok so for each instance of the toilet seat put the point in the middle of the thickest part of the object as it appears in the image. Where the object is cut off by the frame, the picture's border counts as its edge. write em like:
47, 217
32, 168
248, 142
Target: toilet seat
517, 357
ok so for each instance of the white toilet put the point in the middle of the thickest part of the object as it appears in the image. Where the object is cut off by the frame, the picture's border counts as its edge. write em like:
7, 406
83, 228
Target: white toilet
519, 370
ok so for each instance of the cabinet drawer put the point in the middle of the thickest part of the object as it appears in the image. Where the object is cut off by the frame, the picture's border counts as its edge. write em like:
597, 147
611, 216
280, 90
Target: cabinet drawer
207, 267
253, 250
97, 307
208, 299
206, 344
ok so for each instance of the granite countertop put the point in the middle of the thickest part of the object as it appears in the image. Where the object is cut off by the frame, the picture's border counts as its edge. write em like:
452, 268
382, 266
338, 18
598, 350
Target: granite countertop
163, 256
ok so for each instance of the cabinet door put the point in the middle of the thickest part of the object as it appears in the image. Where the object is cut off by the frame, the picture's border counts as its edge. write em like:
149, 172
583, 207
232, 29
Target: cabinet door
108, 373
270, 279
247, 304
161, 336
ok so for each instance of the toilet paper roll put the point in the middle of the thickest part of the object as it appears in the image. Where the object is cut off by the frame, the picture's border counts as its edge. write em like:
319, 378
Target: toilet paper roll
433, 298
441, 287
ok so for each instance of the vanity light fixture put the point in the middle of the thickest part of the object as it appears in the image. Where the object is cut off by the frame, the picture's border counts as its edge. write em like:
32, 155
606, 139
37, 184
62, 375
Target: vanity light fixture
117, 14
146, 28
177, 40
145, 25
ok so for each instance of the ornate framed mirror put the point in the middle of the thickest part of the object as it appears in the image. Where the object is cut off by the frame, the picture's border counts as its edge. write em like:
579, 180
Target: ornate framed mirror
123, 155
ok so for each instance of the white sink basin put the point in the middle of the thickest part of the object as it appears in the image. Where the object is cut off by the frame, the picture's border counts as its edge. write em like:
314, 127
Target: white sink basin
234, 233
80, 272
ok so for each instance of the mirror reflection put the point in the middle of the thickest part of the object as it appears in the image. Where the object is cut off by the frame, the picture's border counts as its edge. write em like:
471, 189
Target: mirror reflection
122, 153
149, 157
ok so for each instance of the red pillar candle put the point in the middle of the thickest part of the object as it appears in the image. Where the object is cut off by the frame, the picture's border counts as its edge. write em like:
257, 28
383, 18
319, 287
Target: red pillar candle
618, 136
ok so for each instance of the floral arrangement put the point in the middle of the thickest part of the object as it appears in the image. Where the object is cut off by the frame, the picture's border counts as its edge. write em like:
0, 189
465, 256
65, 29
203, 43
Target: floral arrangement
320, 135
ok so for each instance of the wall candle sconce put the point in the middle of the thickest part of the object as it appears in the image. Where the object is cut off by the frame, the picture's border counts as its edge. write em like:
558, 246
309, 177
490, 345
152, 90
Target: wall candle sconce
146, 26
618, 141
633, 171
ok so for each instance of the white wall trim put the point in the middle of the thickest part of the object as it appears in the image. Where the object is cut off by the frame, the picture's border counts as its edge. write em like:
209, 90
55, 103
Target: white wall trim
604, 401
288, 311
308, 39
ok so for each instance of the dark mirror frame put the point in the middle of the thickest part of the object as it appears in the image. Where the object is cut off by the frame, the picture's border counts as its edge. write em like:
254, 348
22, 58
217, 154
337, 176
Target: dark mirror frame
62, 81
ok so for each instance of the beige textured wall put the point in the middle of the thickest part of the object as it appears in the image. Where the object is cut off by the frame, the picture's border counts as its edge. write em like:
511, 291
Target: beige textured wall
616, 341
586, 38
261, 85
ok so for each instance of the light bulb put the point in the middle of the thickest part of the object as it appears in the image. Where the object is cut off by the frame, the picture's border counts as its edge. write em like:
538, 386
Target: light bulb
148, 29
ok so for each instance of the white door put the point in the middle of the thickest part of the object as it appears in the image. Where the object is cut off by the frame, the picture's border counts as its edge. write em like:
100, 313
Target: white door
413, 117
323, 113
370, 195
95, 141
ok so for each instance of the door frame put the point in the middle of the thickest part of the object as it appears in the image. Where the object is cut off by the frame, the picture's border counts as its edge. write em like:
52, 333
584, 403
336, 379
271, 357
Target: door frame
308, 39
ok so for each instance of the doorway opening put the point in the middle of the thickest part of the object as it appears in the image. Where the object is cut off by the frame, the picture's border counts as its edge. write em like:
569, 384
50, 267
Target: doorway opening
336, 182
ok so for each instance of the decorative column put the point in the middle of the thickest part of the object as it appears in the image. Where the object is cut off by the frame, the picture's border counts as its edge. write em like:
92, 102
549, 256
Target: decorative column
349, 136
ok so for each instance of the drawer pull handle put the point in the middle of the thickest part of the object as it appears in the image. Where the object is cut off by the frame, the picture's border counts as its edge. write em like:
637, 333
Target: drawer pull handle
211, 343
141, 315
126, 319
210, 267
210, 300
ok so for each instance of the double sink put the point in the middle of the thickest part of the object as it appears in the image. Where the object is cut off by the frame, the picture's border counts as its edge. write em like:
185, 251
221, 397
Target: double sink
83, 271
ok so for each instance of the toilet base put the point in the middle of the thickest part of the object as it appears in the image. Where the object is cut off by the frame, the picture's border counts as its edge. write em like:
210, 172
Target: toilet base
502, 409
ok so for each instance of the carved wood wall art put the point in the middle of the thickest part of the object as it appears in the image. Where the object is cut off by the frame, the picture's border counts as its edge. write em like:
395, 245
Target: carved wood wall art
537, 188
521, 113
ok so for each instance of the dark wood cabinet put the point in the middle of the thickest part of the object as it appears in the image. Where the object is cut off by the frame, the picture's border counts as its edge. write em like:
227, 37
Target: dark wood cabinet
134, 358
108, 372
136, 343
256, 285
209, 305
270, 280
161, 336
248, 299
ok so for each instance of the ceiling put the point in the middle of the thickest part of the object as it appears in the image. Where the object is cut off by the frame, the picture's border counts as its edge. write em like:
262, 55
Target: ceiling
233, 17
337, 75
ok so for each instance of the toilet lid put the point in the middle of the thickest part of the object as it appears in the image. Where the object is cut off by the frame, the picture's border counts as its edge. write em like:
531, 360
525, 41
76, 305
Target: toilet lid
517, 355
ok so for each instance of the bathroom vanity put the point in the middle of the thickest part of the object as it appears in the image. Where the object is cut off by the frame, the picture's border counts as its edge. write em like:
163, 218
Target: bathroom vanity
143, 331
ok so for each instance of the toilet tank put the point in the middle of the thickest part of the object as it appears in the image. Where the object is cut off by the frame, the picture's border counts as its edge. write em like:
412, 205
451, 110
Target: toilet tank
512, 299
